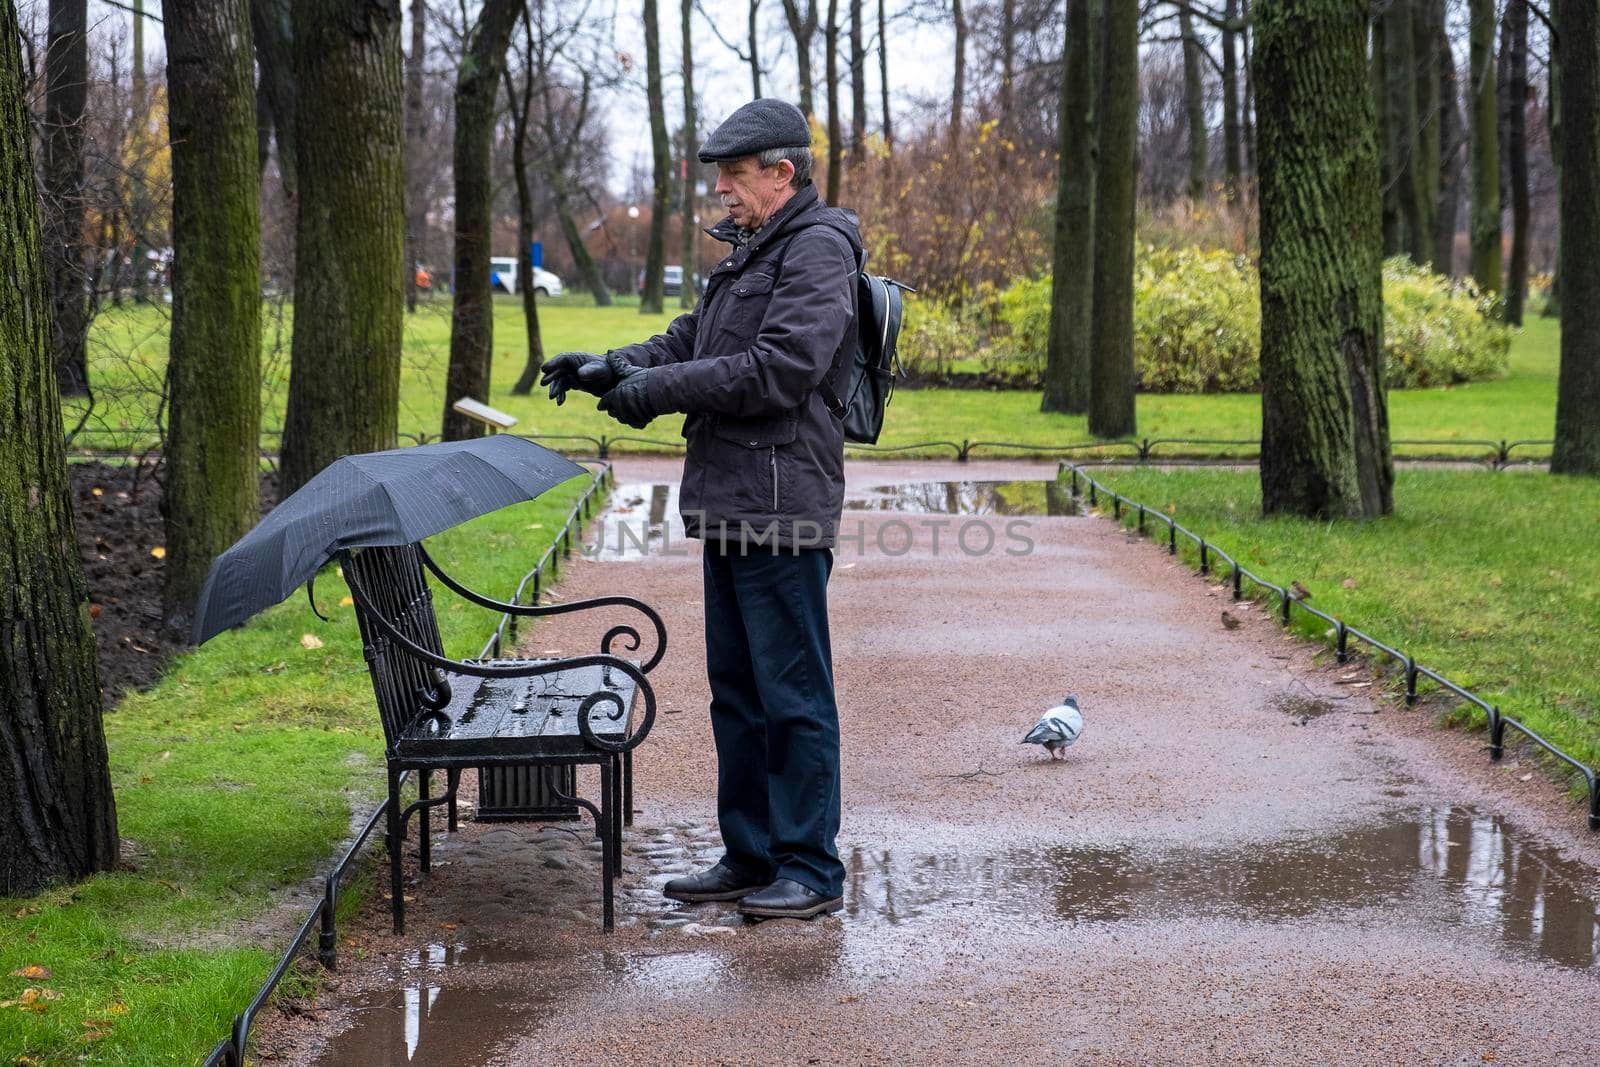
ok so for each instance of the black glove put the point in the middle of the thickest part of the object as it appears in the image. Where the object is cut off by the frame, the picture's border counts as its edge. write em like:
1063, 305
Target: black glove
576, 370
629, 400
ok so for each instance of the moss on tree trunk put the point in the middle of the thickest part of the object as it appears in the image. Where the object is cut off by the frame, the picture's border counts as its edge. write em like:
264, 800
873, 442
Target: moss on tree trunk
1066, 376
1577, 447
57, 816
1325, 427
349, 291
1111, 377
66, 78
214, 367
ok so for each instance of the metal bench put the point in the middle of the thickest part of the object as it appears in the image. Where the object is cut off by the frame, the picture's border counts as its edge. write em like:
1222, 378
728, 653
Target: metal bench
451, 715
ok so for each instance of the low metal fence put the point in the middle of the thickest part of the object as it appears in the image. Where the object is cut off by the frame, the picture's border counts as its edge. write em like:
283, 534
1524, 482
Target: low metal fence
229, 1052
1210, 556
1495, 454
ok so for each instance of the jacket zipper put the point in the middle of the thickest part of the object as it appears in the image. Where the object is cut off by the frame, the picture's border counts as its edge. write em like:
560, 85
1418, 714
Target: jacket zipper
774, 453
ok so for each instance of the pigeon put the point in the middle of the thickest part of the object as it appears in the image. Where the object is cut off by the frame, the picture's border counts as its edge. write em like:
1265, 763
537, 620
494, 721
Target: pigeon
1057, 728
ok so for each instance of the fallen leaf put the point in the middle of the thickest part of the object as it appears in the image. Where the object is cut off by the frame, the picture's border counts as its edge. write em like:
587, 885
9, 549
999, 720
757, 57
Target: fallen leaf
273, 668
97, 491
345, 602
32, 970
1349, 583
310, 641
158, 552
1524, 777
1172, 509
94, 611
118, 1008
535, 525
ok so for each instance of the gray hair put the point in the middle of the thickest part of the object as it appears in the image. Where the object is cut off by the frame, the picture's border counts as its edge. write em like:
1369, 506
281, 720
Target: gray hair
799, 155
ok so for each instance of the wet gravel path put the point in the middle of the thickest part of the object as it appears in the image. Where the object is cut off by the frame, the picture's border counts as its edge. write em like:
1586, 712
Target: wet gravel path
1248, 858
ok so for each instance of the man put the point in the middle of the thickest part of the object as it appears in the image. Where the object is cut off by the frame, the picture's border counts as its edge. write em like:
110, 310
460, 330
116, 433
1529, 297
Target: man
763, 485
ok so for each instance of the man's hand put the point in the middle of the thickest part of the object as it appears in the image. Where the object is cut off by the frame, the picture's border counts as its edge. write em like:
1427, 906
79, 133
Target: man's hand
577, 370
629, 400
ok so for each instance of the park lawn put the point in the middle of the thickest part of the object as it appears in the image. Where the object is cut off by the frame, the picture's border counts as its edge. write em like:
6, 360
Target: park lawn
236, 776
130, 344
1490, 578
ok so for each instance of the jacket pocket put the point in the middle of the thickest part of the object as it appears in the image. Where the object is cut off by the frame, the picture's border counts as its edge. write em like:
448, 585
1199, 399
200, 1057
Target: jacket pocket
744, 307
745, 462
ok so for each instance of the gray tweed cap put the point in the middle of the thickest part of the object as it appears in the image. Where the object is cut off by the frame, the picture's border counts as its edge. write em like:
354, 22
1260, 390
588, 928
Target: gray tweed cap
754, 128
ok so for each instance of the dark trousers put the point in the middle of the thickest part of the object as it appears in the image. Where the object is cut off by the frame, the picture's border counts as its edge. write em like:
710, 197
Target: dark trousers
773, 713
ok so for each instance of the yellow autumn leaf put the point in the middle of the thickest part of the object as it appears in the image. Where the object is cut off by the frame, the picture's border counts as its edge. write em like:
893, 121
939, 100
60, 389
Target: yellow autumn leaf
32, 970
159, 552
310, 641
345, 602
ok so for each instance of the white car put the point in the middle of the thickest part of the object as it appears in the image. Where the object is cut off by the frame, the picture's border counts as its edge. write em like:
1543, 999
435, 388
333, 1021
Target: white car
503, 276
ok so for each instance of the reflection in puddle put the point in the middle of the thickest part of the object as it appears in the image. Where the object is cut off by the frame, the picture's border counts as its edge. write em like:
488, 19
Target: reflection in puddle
640, 519
1033, 497
1453, 868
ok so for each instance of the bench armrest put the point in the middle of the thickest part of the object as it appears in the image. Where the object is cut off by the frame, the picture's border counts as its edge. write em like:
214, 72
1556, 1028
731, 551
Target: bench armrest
533, 610
527, 669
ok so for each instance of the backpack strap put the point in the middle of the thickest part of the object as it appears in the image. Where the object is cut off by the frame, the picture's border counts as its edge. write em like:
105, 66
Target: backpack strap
830, 395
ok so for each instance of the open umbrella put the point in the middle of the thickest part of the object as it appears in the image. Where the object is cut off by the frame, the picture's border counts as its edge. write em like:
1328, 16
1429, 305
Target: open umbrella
379, 498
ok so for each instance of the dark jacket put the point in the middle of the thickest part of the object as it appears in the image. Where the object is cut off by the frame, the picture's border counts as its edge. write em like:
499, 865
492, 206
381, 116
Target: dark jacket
765, 459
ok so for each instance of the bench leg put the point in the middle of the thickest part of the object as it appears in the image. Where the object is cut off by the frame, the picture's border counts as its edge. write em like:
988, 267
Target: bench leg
425, 842
607, 814
396, 840
452, 782
627, 788
618, 814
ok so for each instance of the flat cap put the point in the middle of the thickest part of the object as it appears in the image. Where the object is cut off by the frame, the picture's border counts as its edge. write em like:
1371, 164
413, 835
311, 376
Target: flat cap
754, 128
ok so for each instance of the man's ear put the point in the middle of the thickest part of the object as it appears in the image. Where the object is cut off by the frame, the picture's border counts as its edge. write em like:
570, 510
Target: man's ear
785, 168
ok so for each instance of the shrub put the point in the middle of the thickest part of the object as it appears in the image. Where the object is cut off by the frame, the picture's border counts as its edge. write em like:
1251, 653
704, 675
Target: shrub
1436, 332
1197, 325
932, 337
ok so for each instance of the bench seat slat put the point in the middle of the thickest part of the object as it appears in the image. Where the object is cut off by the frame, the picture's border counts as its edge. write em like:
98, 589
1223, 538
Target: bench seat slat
534, 716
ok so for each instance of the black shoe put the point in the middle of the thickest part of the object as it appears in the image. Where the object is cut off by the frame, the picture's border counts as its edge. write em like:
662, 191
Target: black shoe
788, 899
719, 883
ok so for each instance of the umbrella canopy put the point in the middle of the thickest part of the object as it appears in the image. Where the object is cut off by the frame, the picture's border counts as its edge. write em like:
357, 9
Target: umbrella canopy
379, 498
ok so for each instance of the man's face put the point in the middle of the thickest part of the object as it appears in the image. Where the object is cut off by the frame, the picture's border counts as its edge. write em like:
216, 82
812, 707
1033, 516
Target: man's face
752, 193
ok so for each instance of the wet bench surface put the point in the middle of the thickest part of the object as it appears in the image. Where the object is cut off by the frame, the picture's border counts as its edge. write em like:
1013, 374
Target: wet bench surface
484, 713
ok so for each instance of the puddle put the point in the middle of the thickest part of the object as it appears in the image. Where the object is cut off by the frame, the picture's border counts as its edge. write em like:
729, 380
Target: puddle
640, 519
1032, 497
1452, 869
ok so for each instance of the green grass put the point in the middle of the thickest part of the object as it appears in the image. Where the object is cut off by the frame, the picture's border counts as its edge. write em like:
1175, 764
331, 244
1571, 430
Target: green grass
130, 349
1489, 578
235, 776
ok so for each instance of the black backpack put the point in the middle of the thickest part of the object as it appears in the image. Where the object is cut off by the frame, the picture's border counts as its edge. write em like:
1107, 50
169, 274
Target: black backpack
872, 361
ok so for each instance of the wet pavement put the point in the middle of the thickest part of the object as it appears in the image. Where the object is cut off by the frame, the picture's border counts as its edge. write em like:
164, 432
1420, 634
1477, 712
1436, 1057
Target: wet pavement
1246, 858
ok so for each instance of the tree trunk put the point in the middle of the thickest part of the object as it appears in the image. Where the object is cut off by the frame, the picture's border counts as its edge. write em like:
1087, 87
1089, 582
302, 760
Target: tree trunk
830, 44
1577, 447
755, 57
1194, 101
57, 816
1452, 141
213, 468
1552, 117
472, 314
803, 28
1516, 134
883, 78
588, 269
66, 78
1111, 376
1325, 427
691, 165
1008, 55
1066, 376
958, 89
273, 34
416, 132
858, 96
344, 380
1427, 22
1485, 151
1395, 56
1232, 161
521, 104
651, 302
1247, 108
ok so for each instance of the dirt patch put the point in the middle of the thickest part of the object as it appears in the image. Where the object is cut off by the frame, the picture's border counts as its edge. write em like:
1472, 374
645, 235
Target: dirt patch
121, 541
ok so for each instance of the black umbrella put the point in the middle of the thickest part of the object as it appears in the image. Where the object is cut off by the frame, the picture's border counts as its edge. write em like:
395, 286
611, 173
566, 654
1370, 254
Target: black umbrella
380, 498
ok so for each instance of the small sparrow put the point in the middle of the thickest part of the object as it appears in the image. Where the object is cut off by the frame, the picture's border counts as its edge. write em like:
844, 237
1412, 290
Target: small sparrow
1229, 622
1298, 591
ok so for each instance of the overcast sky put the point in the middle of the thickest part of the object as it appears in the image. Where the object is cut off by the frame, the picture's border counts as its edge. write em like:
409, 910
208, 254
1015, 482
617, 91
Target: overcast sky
920, 63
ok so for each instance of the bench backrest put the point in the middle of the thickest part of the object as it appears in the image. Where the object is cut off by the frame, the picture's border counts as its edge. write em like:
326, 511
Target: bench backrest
392, 579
